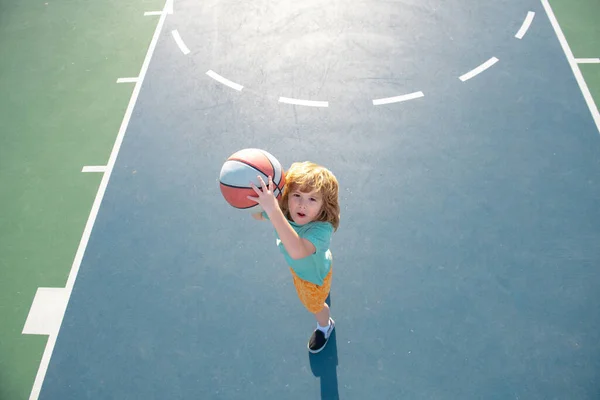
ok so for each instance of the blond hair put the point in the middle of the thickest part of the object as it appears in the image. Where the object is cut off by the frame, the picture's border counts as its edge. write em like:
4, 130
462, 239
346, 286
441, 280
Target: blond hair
306, 177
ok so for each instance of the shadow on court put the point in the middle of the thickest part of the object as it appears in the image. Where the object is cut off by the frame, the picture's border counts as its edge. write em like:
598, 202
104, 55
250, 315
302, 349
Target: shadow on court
324, 366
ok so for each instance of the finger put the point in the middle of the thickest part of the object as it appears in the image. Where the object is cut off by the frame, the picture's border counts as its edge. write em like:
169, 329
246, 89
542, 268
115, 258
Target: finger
262, 183
256, 190
270, 183
254, 199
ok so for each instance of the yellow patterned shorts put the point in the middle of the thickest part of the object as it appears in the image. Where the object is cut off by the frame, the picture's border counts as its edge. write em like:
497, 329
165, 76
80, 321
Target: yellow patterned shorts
312, 295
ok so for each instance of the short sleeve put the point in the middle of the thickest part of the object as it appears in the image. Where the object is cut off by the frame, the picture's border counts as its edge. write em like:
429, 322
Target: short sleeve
319, 234
264, 215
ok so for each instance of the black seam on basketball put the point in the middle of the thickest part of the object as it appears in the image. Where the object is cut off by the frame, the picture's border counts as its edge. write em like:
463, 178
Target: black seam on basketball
272, 167
252, 166
238, 187
245, 208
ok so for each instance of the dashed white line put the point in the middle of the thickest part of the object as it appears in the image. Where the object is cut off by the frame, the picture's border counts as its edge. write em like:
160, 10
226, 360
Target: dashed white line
526, 25
587, 60
299, 102
85, 237
574, 67
127, 80
94, 168
398, 99
184, 49
224, 81
479, 69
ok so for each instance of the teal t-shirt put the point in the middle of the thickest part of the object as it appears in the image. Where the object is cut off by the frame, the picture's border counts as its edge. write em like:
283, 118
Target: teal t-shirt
315, 267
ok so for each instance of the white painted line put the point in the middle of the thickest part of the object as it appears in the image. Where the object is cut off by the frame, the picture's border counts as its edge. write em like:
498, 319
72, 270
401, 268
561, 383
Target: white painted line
149, 13
398, 99
127, 80
479, 69
46, 312
41, 373
224, 81
169, 7
94, 168
587, 60
184, 49
299, 102
574, 67
525, 26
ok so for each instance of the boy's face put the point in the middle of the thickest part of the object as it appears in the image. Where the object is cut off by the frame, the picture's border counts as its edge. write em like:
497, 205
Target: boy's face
304, 207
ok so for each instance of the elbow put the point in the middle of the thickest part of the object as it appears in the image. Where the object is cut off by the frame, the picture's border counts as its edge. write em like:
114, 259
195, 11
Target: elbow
297, 255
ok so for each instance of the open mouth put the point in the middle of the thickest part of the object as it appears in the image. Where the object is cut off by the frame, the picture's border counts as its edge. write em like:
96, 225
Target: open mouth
301, 215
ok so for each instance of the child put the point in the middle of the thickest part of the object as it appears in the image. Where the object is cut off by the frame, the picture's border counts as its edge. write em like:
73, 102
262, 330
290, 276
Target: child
304, 220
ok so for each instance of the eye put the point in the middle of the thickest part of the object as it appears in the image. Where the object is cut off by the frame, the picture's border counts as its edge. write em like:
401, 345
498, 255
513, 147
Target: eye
295, 195
313, 199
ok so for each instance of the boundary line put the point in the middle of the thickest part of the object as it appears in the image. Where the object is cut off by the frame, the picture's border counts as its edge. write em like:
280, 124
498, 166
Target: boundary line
573, 63
45, 361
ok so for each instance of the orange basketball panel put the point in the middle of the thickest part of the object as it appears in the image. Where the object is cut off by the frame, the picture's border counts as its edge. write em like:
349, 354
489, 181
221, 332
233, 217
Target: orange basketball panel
254, 158
237, 197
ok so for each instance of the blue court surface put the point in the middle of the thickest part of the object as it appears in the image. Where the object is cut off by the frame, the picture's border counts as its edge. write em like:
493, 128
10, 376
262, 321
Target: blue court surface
466, 263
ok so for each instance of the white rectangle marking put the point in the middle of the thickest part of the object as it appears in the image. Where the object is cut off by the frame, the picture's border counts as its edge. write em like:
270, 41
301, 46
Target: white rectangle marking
127, 80
184, 49
587, 60
94, 168
479, 69
300, 102
525, 25
224, 81
574, 67
398, 99
46, 312
148, 13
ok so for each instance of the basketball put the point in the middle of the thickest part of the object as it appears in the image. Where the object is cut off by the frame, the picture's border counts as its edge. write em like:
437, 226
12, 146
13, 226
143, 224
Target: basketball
243, 167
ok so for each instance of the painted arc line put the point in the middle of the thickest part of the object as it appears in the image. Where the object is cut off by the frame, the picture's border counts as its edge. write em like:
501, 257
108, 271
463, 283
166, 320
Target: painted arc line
398, 99
526, 25
574, 67
479, 69
85, 237
184, 49
299, 102
94, 168
148, 13
587, 60
127, 80
224, 81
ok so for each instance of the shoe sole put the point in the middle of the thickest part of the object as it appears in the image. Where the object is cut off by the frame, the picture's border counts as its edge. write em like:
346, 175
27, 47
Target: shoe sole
326, 340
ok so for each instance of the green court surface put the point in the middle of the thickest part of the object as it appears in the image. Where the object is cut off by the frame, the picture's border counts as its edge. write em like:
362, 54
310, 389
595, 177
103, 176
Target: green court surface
61, 110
